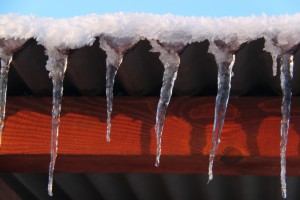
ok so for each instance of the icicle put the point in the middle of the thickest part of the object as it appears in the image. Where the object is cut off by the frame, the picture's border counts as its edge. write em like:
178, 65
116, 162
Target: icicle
113, 61
224, 84
3, 88
7, 48
286, 77
115, 49
58, 69
171, 61
274, 50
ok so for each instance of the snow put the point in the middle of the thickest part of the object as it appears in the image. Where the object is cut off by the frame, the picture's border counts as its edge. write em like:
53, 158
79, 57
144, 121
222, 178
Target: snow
72, 33
80, 31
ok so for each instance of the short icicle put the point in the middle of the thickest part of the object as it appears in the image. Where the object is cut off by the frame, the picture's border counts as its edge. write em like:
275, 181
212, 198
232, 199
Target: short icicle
224, 85
115, 49
286, 77
57, 75
274, 50
171, 61
5, 65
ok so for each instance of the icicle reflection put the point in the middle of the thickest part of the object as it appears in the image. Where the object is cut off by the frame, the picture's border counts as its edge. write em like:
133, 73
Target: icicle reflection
115, 49
224, 84
286, 77
57, 75
3, 89
171, 61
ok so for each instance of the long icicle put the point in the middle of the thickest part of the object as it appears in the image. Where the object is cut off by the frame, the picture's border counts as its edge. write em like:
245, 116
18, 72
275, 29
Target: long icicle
113, 61
224, 85
57, 75
111, 71
171, 61
3, 89
286, 78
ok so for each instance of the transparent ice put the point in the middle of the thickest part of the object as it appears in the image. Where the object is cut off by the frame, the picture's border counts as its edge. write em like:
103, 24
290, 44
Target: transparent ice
286, 77
170, 59
5, 65
224, 85
7, 48
115, 49
57, 75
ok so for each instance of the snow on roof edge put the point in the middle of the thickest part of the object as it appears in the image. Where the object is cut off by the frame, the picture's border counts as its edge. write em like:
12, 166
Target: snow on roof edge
76, 32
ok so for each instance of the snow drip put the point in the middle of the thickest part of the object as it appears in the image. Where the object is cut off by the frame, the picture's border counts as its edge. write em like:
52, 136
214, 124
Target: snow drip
168, 34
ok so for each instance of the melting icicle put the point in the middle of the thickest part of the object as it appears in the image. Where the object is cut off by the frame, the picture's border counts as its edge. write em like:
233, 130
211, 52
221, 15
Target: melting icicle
3, 88
171, 61
115, 49
113, 61
286, 77
224, 84
7, 49
57, 75
274, 50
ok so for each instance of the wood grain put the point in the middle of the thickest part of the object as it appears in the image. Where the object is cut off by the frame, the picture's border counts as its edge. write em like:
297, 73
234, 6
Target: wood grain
249, 143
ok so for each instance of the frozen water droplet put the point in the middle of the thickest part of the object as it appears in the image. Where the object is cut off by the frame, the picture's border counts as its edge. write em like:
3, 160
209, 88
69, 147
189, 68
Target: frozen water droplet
115, 49
3, 89
171, 61
286, 77
57, 75
224, 85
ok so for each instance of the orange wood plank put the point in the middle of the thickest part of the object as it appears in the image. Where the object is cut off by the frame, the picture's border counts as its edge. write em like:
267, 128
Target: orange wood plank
250, 137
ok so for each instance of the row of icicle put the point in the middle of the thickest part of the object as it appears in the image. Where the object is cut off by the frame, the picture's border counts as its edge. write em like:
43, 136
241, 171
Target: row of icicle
115, 49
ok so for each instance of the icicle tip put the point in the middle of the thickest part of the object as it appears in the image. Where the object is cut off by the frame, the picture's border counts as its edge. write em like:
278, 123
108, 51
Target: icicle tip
107, 138
157, 163
283, 192
50, 193
210, 175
